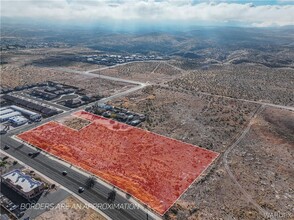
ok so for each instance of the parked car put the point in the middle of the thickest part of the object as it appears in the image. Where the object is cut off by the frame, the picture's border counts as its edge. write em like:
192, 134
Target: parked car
135, 122
38, 120
81, 189
10, 204
19, 215
13, 207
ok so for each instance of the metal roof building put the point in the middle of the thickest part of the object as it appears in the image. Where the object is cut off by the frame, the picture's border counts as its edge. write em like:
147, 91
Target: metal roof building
8, 116
18, 120
6, 111
30, 114
3, 108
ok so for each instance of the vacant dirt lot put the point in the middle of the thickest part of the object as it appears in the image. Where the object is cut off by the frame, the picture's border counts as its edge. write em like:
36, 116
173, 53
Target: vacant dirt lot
155, 72
50, 57
13, 75
262, 164
71, 208
207, 121
23, 67
119, 154
202, 120
213, 197
94, 85
245, 81
74, 122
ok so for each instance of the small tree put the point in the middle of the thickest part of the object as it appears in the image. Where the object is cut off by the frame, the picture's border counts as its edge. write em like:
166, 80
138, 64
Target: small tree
111, 196
90, 182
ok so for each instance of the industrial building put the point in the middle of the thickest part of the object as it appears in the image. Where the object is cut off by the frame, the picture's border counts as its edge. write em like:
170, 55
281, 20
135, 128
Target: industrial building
3, 108
6, 117
31, 115
18, 120
45, 111
6, 111
23, 184
15, 115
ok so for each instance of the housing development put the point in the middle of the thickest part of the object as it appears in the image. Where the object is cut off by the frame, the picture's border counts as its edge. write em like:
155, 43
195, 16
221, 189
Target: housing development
162, 120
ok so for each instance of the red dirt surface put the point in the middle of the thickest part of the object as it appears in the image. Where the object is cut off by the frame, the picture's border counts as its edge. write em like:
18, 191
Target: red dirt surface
154, 169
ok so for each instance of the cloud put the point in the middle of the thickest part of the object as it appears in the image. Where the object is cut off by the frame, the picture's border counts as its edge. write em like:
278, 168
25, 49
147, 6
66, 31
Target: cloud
152, 11
286, 1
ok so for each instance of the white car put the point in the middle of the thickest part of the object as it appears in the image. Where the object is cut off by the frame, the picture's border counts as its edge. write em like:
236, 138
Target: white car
81, 189
13, 207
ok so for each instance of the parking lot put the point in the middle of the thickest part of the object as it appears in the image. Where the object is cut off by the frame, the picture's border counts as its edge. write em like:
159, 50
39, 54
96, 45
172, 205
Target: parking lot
11, 202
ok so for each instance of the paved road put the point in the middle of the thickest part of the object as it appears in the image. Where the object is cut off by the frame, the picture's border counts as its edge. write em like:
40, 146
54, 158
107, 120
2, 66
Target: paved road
290, 108
98, 194
67, 113
139, 85
89, 73
123, 64
72, 181
251, 101
41, 101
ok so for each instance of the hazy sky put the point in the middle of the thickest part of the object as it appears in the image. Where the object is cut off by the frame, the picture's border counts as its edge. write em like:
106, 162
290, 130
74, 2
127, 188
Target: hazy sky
258, 13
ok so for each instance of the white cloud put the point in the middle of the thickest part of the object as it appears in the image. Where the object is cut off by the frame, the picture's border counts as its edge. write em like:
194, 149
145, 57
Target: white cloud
95, 10
286, 1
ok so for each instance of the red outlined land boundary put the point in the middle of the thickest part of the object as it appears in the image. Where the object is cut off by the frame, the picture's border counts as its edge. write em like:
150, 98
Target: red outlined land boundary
154, 169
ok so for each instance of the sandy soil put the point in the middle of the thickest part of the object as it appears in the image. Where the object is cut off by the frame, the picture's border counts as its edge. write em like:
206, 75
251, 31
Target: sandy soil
74, 122
12, 76
50, 57
205, 121
262, 164
154, 169
155, 72
69, 209
245, 81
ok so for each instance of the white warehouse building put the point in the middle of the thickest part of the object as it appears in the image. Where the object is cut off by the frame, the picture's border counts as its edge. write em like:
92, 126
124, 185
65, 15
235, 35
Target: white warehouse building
28, 113
3, 108
18, 120
6, 111
8, 116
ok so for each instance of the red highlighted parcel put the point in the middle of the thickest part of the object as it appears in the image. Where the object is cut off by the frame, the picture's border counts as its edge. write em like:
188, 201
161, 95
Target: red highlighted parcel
154, 169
